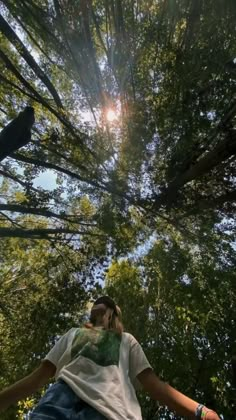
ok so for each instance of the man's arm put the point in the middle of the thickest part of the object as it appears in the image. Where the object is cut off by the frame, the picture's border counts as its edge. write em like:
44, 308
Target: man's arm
28, 385
165, 394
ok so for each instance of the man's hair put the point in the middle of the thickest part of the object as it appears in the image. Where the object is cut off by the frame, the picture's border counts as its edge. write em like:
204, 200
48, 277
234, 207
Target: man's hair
106, 300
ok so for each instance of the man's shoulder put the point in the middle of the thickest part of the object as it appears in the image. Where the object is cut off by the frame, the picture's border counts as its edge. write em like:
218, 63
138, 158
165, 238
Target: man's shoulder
70, 332
128, 337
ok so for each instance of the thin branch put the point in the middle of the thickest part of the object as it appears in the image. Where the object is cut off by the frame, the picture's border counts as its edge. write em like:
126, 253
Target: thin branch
43, 211
57, 168
44, 164
11, 221
35, 42
59, 154
5, 80
208, 203
75, 63
42, 233
3, 110
98, 31
19, 181
41, 193
8, 32
223, 150
37, 97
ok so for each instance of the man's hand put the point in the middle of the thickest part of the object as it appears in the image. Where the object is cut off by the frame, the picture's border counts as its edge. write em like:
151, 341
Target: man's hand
211, 415
167, 395
28, 385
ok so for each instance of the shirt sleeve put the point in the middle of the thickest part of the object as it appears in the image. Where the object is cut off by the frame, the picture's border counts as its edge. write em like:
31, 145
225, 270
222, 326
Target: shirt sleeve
59, 348
137, 361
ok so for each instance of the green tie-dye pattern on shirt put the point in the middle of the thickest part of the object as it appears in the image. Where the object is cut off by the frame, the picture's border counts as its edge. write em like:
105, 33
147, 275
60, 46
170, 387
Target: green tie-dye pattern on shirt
100, 346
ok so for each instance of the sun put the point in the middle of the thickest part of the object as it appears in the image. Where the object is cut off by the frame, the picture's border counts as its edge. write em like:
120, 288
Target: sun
111, 115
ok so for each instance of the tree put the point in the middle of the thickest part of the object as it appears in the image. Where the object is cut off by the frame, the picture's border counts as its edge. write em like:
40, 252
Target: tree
171, 151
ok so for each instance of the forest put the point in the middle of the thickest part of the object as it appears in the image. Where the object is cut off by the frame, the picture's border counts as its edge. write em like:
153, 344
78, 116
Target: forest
117, 176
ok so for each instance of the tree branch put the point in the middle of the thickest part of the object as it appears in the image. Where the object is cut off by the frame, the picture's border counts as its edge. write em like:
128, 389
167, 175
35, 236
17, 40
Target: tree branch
57, 168
19, 181
35, 42
210, 203
37, 97
221, 152
5, 217
6, 30
44, 164
43, 211
6, 232
5, 80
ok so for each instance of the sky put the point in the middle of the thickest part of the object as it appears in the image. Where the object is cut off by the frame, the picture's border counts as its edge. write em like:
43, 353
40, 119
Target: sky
46, 180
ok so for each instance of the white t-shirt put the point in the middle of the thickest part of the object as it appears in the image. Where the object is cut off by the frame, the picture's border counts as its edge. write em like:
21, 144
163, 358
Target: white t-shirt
101, 368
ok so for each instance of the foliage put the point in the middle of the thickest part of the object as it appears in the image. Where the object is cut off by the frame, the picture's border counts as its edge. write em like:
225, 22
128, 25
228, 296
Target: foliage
180, 304
171, 150
44, 292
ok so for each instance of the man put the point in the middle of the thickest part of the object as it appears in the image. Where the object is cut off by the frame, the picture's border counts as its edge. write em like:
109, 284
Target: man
97, 368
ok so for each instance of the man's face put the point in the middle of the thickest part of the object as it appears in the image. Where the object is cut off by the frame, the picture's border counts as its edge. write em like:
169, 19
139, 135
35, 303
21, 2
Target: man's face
97, 311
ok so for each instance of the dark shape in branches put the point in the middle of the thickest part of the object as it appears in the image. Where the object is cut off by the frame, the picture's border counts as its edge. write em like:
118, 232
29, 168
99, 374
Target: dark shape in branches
17, 133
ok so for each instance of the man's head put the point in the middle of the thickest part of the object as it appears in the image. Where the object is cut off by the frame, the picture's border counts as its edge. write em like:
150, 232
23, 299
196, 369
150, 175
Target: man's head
107, 314
108, 302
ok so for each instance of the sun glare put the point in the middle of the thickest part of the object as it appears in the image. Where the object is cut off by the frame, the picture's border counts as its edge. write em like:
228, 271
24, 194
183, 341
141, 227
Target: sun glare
111, 115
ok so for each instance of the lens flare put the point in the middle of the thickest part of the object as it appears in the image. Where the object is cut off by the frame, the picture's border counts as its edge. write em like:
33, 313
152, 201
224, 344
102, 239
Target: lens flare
111, 115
